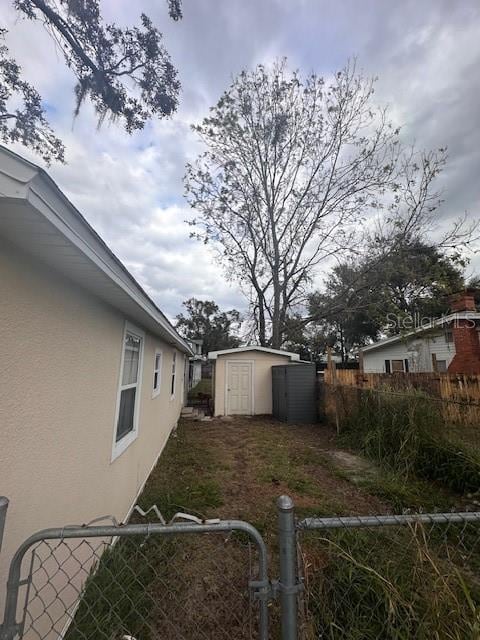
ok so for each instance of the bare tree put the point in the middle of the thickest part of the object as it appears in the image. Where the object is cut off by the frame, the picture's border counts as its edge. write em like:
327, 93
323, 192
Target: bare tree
297, 171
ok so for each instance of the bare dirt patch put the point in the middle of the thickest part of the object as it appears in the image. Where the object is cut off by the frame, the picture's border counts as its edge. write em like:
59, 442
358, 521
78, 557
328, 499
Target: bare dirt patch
253, 461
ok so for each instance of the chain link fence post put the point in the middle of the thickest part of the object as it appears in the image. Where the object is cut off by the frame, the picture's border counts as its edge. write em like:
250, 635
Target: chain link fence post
288, 585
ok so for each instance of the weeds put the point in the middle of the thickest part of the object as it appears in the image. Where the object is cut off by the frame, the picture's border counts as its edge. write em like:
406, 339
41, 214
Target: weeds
387, 583
406, 434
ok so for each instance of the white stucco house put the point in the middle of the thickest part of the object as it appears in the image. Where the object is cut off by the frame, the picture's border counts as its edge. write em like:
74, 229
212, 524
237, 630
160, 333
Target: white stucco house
92, 372
448, 344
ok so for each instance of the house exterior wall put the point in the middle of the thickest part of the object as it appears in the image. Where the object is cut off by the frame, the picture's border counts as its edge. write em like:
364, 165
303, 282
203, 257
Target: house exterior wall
262, 379
60, 354
419, 352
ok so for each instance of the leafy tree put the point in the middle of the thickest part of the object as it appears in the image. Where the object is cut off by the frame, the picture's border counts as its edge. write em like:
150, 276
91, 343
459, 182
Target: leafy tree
345, 311
310, 342
417, 281
474, 285
293, 169
22, 117
359, 302
126, 73
204, 321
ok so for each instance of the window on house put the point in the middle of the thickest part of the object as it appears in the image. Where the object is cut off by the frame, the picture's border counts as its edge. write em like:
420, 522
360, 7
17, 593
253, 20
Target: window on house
448, 335
174, 366
157, 372
129, 384
441, 366
397, 366
387, 367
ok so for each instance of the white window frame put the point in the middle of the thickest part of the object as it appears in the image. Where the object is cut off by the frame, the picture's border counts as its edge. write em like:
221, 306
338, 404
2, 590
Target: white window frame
119, 447
173, 374
156, 390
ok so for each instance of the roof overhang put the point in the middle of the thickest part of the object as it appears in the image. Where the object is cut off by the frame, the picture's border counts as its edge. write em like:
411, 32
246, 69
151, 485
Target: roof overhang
37, 217
425, 330
213, 355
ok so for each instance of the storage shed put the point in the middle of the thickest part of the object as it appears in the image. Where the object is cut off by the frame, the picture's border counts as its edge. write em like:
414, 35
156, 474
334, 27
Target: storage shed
294, 392
242, 379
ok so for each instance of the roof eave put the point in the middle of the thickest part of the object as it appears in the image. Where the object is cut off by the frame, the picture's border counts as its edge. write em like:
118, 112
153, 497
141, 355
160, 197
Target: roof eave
213, 355
41, 193
421, 331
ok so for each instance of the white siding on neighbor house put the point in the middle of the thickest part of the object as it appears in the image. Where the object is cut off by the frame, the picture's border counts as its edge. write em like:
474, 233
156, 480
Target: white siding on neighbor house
419, 352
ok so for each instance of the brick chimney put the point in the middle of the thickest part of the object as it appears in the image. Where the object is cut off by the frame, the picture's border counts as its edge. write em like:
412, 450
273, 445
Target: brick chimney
463, 301
465, 336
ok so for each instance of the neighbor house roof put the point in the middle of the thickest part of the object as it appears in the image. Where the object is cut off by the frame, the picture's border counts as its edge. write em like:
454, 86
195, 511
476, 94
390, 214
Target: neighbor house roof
36, 216
419, 332
214, 354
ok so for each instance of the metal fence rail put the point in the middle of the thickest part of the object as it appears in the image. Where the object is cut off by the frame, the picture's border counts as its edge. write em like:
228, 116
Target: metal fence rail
141, 580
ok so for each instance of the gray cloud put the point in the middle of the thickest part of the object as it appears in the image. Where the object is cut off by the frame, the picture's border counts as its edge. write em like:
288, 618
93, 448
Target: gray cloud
426, 55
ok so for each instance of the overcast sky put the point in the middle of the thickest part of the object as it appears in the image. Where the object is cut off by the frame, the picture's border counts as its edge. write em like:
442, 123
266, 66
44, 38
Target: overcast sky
426, 54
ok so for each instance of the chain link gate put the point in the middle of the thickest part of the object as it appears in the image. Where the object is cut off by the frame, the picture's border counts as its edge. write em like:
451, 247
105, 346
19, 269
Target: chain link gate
139, 582
373, 577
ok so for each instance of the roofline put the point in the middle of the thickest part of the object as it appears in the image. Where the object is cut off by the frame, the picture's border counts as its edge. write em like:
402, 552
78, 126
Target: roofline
212, 355
145, 301
438, 323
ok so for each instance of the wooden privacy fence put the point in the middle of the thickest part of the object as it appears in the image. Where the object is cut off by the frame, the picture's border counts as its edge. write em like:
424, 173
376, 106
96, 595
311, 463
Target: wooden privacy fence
460, 392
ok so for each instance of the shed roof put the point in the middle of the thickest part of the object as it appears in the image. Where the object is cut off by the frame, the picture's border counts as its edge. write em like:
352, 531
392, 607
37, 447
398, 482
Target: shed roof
278, 352
37, 216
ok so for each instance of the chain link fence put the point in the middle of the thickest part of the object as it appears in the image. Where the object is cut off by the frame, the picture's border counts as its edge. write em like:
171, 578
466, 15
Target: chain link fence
390, 577
369, 578
139, 581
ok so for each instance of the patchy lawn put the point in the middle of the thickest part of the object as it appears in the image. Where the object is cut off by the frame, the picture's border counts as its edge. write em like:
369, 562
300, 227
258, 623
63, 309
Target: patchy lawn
237, 469
196, 587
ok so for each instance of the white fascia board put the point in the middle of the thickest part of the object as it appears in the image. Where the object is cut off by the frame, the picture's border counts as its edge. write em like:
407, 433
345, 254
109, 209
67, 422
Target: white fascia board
213, 355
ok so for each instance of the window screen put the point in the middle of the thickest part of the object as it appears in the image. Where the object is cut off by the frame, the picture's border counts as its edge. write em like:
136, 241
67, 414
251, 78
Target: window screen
157, 372
129, 383
441, 366
174, 367
397, 366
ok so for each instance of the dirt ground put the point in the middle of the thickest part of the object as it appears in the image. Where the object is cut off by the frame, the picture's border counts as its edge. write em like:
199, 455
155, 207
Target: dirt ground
196, 586
237, 469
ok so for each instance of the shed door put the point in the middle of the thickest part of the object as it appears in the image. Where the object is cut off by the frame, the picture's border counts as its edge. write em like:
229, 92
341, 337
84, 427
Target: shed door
239, 388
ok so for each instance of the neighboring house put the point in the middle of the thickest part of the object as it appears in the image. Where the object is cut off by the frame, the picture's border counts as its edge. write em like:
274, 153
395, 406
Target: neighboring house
195, 363
92, 372
449, 344
242, 379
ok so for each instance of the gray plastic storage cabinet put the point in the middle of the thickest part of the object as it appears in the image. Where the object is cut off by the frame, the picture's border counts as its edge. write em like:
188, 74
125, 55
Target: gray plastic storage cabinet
294, 390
